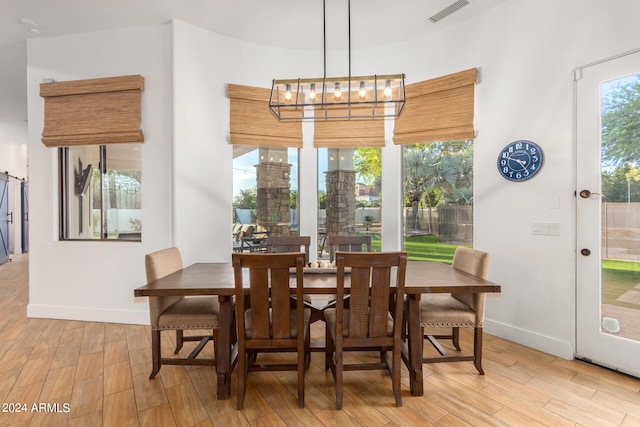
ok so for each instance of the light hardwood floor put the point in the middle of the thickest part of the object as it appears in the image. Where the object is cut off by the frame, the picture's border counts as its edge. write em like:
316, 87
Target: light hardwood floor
97, 373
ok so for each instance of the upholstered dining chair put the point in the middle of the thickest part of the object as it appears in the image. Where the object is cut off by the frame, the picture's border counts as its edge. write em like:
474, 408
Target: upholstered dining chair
373, 320
178, 313
348, 244
265, 318
455, 311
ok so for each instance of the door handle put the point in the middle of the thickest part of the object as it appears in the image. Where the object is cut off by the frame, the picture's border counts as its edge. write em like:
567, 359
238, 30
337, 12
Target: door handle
585, 194
10, 220
585, 252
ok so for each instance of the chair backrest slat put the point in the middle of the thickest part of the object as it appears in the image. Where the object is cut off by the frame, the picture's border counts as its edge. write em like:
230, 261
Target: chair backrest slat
259, 302
280, 303
380, 284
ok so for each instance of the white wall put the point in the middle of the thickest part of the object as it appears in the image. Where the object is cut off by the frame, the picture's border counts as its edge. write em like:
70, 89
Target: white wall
95, 280
526, 51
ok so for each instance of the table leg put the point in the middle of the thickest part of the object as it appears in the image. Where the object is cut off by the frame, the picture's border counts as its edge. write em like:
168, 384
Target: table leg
225, 357
415, 345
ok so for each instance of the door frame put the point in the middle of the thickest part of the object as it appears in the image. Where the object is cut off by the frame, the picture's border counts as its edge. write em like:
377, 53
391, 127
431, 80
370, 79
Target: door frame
613, 345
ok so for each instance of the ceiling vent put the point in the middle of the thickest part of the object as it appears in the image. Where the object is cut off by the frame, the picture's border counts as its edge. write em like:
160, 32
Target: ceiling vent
453, 7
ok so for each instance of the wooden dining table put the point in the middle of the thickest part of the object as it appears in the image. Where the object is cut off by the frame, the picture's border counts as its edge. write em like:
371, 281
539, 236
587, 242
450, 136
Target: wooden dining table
217, 279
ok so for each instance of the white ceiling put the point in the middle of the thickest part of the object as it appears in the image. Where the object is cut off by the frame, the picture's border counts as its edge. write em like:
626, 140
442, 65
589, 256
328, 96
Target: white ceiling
283, 23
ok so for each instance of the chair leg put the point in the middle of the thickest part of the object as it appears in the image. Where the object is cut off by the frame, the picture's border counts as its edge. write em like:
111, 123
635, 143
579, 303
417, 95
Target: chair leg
339, 377
179, 340
214, 333
301, 368
155, 353
477, 349
307, 344
242, 377
327, 347
455, 338
395, 376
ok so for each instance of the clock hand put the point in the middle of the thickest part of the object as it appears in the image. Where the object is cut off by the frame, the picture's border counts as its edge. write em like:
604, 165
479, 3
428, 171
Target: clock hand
522, 162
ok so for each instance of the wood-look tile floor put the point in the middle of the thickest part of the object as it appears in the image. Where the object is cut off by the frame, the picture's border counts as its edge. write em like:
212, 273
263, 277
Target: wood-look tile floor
96, 374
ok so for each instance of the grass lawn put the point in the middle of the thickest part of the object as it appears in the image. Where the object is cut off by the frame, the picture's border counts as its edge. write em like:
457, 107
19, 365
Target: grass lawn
422, 248
617, 278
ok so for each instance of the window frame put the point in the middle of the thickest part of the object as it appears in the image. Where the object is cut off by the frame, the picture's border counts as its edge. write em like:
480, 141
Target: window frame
65, 198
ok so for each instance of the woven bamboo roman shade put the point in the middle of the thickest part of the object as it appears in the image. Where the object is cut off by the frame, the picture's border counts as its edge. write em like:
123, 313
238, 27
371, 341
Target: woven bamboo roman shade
253, 123
94, 111
439, 109
348, 133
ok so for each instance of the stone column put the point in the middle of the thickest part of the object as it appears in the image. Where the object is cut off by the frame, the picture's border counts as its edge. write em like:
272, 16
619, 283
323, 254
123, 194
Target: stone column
341, 196
273, 191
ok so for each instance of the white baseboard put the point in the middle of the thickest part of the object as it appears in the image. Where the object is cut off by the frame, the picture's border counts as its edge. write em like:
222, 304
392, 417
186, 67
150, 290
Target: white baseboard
546, 344
89, 314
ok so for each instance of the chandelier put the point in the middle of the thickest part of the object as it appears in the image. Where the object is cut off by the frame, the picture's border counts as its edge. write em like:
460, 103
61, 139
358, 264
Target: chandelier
338, 98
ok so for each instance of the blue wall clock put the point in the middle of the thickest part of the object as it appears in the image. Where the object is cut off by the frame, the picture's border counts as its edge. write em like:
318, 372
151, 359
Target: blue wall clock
520, 160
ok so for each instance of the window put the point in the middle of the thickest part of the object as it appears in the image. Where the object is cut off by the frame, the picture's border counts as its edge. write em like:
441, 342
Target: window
100, 192
438, 193
265, 190
349, 197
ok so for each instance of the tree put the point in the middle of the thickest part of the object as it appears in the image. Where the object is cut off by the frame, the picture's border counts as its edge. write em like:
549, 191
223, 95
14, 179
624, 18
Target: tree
367, 162
246, 199
621, 124
322, 200
417, 167
436, 173
620, 184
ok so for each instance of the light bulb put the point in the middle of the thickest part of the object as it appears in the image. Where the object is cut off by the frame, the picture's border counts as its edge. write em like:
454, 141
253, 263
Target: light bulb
312, 92
287, 94
363, 91
337, 93
387, 88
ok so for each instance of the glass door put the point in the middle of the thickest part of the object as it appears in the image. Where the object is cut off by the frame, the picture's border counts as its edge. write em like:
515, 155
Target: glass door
5, 218
608, 213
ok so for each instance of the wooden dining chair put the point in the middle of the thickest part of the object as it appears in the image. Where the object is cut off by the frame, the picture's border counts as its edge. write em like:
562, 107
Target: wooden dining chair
279, 244
457, 310
178, 313
348, 244
265, 318
373, 321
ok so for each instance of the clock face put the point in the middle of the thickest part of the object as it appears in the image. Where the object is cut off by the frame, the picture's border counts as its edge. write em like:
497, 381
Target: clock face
520, 160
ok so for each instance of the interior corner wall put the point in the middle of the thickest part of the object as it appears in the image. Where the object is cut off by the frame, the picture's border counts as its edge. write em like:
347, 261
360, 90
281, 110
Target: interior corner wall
94, 280
201, 155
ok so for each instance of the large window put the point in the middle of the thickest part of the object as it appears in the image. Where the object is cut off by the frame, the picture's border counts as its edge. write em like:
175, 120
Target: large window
100, 192
438, 199
265, 195
349, 194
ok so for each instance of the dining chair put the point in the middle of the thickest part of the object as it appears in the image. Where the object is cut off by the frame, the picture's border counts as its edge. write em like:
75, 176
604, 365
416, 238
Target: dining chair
278, 244
265, 318
457, 310
373, 320
178, 313
348, 244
